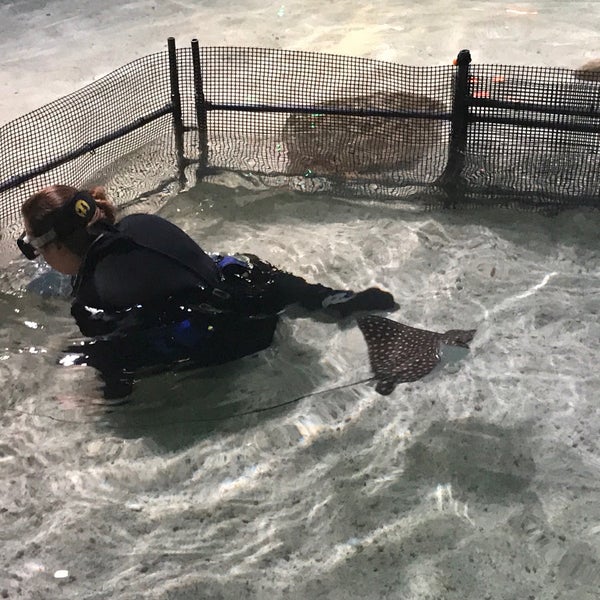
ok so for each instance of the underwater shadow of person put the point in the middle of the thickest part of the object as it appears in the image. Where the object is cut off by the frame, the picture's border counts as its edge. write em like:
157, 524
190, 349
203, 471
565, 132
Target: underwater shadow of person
483, 460
177, 407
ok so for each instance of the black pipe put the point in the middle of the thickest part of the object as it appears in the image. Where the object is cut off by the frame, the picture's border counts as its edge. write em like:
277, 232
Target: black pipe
176, 102
534, 108
558, 125
201, 110
321, 110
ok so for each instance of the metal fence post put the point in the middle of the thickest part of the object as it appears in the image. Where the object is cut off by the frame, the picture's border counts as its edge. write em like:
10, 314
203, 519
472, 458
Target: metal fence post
176, 103
451, 177
201, 110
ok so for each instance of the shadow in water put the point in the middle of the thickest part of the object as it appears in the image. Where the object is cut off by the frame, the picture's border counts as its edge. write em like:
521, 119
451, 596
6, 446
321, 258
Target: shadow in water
391, 533
484, 461
480, 462
177, 408
382, 536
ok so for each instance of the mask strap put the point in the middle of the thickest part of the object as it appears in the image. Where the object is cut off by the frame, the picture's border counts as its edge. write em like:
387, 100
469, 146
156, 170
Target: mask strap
41, 240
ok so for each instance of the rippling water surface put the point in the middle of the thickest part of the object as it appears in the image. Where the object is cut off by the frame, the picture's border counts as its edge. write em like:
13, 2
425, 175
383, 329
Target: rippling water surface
479, 481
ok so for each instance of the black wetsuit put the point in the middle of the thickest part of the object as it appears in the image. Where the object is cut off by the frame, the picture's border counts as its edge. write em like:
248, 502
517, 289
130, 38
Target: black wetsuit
143, 259
157, 298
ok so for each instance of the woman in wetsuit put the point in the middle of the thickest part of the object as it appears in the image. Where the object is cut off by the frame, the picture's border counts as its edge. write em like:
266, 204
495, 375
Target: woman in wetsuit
144, 274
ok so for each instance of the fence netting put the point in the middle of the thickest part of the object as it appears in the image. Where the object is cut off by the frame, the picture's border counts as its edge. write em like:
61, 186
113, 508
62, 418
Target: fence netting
467, 134
71, 140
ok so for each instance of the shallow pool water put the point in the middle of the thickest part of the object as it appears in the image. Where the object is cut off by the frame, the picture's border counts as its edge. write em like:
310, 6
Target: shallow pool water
479, 481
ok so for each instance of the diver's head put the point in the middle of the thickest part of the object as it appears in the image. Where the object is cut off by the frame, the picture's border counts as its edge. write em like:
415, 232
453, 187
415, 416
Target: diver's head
57, 221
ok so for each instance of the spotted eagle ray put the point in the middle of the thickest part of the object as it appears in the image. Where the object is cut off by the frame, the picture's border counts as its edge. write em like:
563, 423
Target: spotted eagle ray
399, 353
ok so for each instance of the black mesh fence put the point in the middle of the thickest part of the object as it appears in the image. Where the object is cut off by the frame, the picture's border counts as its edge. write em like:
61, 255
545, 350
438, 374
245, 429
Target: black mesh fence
534, 137
92, 136
327, 122
470, 134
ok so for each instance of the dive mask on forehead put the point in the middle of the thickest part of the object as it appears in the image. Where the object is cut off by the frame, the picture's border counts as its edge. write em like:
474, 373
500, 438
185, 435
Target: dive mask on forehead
60, 224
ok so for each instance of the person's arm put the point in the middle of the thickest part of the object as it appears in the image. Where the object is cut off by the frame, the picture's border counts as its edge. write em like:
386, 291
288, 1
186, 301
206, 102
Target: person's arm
93, 322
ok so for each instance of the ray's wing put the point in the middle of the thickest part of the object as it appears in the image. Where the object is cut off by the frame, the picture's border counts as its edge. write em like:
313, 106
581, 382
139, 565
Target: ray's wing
399, 353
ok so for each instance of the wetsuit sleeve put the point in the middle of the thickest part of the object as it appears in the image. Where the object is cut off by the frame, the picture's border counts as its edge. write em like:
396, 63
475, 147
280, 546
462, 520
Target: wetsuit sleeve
93, 323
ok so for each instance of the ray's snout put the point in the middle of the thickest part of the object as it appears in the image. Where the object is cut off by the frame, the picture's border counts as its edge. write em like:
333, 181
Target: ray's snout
459, 337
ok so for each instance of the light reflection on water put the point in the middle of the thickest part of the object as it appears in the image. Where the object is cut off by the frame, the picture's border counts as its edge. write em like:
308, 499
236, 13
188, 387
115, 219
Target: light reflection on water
480, 482
480, 477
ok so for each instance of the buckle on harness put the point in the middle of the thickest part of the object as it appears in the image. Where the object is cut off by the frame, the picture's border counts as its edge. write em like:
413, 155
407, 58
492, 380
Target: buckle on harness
221, 294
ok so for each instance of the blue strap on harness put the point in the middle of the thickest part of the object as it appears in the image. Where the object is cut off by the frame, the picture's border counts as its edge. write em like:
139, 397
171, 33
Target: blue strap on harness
226, 261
